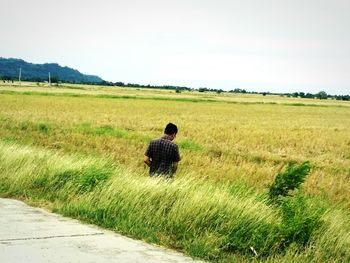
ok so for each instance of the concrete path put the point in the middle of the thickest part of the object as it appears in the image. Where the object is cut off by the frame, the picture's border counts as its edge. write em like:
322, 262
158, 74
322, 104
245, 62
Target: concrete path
30, 234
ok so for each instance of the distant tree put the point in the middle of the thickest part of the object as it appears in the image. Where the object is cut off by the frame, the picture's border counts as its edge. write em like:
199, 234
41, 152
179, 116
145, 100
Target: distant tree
54, 79
322, 95
120, 84
238, 91
309, 96
107, 83
342, 97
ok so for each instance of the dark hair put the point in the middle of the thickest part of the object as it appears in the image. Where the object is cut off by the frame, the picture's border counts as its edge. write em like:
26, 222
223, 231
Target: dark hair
170, 129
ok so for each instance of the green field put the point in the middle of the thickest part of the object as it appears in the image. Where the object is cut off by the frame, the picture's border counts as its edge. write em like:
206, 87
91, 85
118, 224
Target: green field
78, 150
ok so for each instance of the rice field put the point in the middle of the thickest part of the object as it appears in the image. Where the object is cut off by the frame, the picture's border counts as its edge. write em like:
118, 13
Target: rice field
226, 141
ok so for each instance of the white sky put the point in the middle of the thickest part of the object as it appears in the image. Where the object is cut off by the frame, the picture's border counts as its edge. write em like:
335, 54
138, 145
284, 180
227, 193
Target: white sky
259, 45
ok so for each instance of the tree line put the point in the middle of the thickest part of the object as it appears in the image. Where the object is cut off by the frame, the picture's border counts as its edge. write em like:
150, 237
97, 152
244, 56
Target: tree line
322, 95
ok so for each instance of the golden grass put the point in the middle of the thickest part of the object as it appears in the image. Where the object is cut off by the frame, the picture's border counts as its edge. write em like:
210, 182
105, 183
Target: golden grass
161, 93
248, 140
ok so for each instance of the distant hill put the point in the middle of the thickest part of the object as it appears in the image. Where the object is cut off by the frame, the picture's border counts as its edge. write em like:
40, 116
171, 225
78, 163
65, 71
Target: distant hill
9, 69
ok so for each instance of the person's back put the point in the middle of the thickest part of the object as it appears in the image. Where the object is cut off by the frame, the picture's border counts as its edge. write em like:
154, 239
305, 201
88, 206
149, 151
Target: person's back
162, 155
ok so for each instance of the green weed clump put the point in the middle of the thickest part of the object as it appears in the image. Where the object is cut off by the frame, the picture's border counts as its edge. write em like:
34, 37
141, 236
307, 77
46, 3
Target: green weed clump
289, 180
214, 222
42, 127
189, 145
108, 130
300, 220
84, 180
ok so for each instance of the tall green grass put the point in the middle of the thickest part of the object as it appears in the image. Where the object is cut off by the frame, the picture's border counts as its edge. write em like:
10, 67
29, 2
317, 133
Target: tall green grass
213, 222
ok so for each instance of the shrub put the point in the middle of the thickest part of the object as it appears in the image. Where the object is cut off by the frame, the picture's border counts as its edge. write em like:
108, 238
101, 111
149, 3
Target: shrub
299, 220
287, 181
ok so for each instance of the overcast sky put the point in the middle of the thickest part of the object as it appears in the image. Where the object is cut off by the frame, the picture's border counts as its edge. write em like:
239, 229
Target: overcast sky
258, 45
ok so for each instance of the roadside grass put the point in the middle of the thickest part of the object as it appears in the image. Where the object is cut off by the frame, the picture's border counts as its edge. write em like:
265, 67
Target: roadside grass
216, 222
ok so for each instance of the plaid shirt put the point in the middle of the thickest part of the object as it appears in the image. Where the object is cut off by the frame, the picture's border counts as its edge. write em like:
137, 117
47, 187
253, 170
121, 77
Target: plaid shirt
163, 153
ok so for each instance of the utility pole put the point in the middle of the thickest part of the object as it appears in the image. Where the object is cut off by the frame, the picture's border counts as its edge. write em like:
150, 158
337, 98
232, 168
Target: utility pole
49, 79
20, 75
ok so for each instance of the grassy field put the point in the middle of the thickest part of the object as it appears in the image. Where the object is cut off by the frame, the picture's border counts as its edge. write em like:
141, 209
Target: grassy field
232, 147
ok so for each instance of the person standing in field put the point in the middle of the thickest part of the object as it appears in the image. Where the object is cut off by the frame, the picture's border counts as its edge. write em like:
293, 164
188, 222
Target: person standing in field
162, 155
